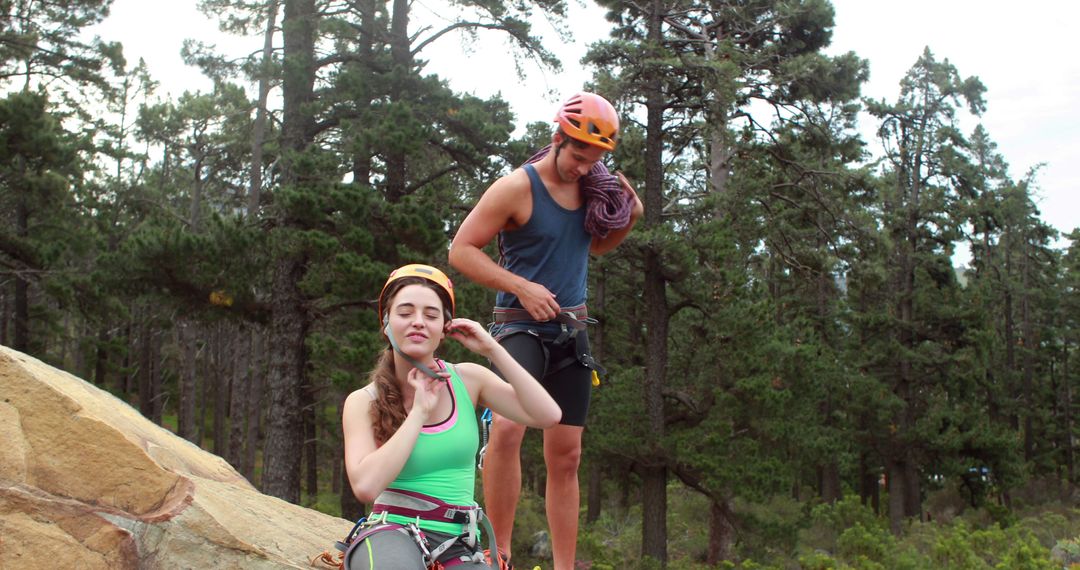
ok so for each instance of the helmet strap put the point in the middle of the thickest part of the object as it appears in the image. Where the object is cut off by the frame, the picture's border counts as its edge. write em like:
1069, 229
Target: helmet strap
415, 363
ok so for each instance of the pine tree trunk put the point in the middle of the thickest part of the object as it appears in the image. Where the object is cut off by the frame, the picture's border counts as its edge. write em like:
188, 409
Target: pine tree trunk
289, 320
654, 476
869, 488
829, 483
21, 336
1067, 433
157, 403
222, 380
912, 491
101, 363
5, 319
188, 385
239, 398
594, 489
123, 380
361, 162
255, 405
1010, 331
196, 197
258, 135
145, 371
401, 55
1030, 343
594, 494
896, 474
721, 533
284, 426
311, 446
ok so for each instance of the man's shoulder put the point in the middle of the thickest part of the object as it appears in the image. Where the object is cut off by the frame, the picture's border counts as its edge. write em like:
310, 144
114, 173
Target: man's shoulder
517, 178
514, 185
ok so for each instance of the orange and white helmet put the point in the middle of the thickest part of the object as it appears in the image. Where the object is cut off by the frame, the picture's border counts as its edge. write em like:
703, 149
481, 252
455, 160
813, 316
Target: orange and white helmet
424, 272
591, 119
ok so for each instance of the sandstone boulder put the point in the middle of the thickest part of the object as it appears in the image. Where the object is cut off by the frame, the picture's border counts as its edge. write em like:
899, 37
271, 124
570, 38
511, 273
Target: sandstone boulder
88, 482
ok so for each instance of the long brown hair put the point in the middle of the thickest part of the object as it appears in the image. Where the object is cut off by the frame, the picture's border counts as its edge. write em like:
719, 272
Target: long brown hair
388, 410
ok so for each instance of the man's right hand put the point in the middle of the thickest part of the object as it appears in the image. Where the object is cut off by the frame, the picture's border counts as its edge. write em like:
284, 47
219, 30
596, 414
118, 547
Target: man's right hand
538, 301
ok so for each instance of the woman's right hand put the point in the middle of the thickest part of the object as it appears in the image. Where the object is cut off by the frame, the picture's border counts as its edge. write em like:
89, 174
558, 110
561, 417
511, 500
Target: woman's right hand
425, 391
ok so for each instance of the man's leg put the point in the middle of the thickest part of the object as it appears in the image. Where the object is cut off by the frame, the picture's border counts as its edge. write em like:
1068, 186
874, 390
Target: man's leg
502, 479
502, 463
562, 454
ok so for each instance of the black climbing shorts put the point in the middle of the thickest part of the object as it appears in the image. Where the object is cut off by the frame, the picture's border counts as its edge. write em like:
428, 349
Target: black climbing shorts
556, 366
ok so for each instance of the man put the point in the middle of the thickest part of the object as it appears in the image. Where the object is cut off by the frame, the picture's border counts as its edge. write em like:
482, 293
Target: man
539, 213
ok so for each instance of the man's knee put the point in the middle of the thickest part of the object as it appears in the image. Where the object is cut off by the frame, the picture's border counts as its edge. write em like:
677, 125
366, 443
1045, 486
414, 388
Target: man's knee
506, 436
563, 459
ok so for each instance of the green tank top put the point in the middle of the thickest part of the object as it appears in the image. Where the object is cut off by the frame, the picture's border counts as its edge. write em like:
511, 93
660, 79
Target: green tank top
442, 463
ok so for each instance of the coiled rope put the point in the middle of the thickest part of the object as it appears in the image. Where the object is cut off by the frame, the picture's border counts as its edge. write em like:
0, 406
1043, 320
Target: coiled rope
607, 205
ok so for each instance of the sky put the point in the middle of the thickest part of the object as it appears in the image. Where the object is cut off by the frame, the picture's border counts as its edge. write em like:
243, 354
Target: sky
1020, 51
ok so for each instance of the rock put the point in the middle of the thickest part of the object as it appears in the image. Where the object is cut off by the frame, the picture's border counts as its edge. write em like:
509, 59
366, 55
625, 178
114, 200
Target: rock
541, 546
88, 482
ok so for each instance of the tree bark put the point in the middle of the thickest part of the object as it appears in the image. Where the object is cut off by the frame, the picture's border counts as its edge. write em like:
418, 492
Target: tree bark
225, 343
401, 54
311, 442
289, 320
5, 318
655, 474
829, 483
912, 491
594, 493
145, 371
284, 431
1030, 343
255, 402
869, 487
258, 135
721, 533
239, 398
896, 474
101, 362
156, 402
21, 336
186, 426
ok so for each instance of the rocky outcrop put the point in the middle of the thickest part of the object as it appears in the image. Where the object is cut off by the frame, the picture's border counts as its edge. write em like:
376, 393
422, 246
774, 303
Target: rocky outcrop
88, 482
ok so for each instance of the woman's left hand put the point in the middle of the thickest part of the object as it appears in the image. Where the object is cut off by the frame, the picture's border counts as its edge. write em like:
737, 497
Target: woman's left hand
472, 335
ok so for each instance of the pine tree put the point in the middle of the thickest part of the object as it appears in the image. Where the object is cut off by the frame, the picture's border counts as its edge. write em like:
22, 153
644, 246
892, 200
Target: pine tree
922, 185
37, 168
697, 68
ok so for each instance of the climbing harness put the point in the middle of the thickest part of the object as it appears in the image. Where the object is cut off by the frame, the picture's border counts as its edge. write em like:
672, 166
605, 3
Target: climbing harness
572, 320
419, 506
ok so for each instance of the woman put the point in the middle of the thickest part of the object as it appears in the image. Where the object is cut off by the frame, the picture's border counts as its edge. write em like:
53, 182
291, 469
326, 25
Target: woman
411, 434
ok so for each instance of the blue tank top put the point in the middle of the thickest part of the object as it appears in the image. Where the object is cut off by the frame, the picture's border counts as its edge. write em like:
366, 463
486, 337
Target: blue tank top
551, 249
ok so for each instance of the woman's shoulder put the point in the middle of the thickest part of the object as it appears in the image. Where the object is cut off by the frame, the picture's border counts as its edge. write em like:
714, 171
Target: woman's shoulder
362, 396
464, 369
472, 374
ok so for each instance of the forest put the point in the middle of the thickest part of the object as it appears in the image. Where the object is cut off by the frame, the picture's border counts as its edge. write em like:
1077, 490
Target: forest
799, 376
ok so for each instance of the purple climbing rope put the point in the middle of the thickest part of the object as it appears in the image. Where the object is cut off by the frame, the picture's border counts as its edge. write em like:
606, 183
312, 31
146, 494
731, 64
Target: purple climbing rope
607, 205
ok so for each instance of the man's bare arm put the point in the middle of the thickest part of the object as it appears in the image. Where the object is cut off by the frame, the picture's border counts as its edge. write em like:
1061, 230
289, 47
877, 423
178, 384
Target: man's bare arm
494, 211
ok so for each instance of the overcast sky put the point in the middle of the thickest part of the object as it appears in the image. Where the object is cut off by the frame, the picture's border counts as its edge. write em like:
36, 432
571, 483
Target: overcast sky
1023, 52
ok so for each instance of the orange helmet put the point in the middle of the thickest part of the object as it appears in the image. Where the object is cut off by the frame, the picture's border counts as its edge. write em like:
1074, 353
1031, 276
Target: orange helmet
424, 272
590, 119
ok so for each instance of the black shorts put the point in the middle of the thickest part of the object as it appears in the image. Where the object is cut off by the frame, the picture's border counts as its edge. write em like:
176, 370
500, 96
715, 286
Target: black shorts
557, 368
